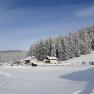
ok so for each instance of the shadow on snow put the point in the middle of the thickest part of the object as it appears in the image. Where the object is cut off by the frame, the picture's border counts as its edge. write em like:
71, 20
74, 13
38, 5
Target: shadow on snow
85, 75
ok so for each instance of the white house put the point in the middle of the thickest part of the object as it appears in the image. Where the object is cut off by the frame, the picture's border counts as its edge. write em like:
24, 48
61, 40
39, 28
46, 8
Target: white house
50, 59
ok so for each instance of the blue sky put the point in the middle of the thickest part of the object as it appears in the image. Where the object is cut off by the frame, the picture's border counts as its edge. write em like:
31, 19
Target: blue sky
23, 22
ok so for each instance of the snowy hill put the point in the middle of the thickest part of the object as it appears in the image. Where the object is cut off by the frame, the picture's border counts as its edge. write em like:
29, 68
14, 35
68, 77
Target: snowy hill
47, 80
64, 47
10, 55
83, 58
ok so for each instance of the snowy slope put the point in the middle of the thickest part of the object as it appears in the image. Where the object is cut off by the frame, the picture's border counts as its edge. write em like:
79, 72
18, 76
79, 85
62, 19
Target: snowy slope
83, 58
49, 79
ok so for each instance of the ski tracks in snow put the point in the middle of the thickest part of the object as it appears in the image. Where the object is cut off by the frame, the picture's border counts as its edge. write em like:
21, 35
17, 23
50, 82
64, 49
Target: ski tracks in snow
80, 90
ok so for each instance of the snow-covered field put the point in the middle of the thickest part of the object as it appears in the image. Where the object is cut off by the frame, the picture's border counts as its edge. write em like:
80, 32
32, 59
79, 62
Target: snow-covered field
47, 80
70, 78
83, 58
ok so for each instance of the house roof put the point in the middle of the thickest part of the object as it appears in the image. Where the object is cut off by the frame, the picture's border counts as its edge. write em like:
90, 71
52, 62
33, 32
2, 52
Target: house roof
51, 58
27, 58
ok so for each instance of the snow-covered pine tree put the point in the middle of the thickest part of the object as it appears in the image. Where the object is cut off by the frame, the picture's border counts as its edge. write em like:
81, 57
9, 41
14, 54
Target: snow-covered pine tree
84, 42
57, 44
74, 44
62, 49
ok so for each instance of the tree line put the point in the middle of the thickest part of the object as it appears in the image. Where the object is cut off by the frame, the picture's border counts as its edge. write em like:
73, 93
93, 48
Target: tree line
64, 47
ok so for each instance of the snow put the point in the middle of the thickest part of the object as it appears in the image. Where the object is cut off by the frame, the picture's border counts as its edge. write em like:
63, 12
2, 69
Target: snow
45, 80
78, 60
51, 58
27, 58
5, 74
74, 79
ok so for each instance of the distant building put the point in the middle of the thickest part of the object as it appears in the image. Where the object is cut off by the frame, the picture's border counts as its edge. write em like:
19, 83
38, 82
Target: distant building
30, 60
52, 60
27, 60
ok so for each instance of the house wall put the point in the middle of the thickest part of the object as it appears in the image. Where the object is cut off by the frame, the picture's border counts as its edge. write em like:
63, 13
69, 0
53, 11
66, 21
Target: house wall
53, 61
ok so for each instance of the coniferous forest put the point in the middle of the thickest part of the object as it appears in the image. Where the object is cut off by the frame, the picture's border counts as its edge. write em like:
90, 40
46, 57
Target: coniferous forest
64, 47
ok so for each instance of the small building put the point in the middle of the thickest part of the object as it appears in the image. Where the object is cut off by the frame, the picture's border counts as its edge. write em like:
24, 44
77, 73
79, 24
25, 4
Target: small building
52, 60
27, 60
30, 60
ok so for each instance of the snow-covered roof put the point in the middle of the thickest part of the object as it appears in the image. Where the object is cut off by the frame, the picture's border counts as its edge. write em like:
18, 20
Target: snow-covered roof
33, 57
27, 58
51, 58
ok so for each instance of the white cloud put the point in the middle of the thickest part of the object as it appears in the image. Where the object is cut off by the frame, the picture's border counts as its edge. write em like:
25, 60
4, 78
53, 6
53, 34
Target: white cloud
86, 12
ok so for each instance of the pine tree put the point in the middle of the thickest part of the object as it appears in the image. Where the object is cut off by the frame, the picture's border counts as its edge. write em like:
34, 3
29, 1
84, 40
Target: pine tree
64, 47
